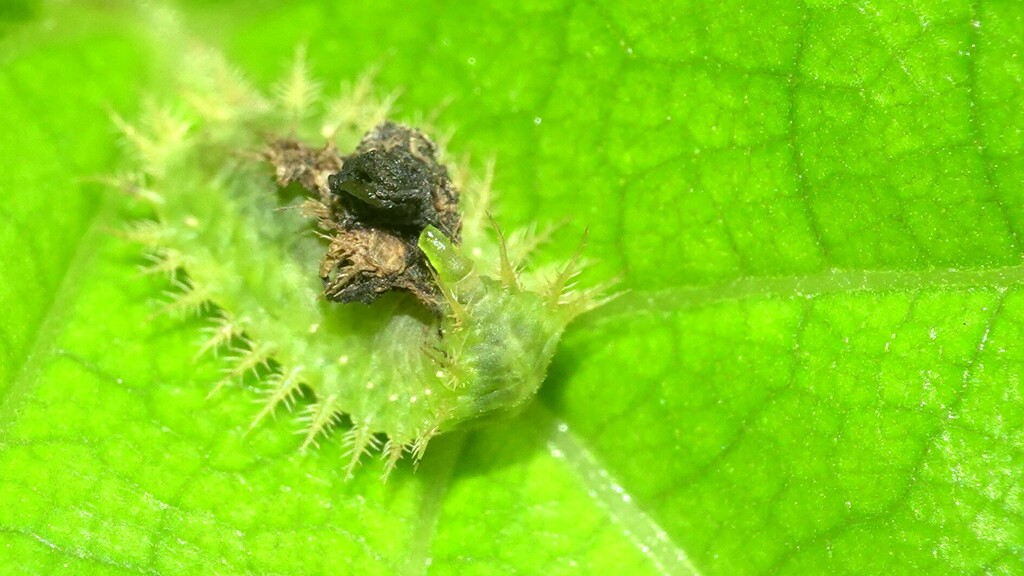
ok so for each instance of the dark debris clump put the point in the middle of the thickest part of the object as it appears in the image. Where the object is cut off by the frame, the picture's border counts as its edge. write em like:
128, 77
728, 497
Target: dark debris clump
373, 204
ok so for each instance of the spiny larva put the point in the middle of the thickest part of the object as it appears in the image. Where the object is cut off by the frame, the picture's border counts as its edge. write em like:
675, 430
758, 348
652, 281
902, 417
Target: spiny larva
374, 278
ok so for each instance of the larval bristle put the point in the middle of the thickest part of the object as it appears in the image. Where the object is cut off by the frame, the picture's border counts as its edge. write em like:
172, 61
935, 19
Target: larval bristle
420, 444
247, 360
478, 204
186, 300
524, 242
250, 359
220, 335
282, 389
506, 272
164, 262
391, 454
298, 91
561, 284
320, 417
359, 440
148, 233
357, 107
217, 91
157, 139
133, 184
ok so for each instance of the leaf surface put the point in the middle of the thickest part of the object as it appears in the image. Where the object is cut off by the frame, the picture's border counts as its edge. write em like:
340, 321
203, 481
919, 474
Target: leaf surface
814, 210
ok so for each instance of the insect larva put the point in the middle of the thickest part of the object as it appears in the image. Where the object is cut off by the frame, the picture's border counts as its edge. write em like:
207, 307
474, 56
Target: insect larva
401, 313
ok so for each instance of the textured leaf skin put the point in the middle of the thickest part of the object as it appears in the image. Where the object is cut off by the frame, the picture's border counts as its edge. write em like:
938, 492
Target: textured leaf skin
814, 208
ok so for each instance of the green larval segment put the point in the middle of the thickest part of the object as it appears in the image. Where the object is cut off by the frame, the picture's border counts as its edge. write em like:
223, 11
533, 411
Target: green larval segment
498, 338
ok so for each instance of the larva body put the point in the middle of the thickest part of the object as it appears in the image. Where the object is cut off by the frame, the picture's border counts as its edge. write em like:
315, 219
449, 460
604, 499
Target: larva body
497, 338
242, 251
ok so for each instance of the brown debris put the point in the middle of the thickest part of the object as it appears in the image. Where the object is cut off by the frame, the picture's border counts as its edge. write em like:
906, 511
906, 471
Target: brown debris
295, 162
366, 262
373, 204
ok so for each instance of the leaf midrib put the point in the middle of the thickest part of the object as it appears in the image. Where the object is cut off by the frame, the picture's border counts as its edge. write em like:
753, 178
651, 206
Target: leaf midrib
54, 318
641, 529
810, 286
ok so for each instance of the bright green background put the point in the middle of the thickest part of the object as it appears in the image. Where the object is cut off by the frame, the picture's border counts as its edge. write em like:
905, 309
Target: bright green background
816, 208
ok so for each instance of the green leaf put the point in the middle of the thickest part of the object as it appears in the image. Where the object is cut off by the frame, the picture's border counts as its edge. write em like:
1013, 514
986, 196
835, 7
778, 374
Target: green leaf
814, 208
